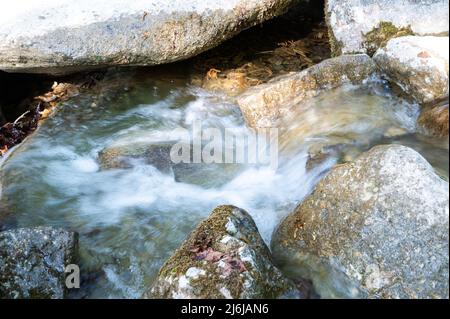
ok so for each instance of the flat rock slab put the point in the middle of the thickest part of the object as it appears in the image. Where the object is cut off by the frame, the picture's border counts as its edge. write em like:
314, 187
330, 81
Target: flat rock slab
350, 20
374, 228
66, 36
265, 104
419, 65
33, 260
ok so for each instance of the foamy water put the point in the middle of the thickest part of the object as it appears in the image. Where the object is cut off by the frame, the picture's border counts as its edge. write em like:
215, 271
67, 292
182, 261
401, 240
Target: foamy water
131, 220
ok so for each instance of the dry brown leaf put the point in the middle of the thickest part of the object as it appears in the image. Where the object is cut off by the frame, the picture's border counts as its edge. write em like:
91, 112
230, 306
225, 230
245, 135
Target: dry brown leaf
212, 73
3, 150
208, 254
232, 264
424, 55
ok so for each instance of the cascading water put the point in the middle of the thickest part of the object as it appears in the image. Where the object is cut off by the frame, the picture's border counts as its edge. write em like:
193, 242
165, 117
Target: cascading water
130, 220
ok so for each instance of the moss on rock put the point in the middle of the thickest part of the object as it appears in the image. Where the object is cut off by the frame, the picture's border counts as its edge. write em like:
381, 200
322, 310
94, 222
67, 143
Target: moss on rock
335, 45
381, 34
224, 257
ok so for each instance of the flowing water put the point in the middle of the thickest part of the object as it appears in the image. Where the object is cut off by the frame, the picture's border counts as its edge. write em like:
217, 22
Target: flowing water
131, 219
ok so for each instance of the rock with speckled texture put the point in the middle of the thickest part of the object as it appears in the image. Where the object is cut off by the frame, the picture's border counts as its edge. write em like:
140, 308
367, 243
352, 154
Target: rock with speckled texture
224, 257
419, 65
350, 21
66, 36
265, 104
33, 260
374, 228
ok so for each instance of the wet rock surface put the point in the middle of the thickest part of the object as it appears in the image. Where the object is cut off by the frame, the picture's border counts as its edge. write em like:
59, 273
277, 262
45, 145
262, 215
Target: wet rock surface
224, 257
33, 260
419, 65
49, 38
352, 22
264, 105
159, 156
434, 119
372, 230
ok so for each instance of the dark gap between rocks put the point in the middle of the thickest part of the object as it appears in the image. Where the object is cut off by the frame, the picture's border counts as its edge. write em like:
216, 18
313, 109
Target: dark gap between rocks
17, 92
24, 100
289, 43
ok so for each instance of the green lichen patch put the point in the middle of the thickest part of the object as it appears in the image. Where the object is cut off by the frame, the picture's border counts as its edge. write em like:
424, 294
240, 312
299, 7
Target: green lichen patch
335, 45
381, 34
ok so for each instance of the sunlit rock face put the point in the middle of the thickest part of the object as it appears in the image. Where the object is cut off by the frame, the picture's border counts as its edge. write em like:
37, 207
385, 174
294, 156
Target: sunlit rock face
67, 36
419, 65
353, 23
374, 228
224, 257
265, 105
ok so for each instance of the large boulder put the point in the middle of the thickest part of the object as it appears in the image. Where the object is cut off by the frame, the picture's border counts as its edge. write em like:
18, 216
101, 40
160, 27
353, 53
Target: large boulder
374, 228
224, 257
265, 104
419, 65
33, 261
67, 36
362, 26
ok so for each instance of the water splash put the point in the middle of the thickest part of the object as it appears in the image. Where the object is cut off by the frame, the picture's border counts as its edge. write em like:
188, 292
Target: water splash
131, 220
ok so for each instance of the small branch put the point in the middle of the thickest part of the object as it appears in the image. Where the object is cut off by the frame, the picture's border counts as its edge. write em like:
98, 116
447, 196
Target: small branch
21, 117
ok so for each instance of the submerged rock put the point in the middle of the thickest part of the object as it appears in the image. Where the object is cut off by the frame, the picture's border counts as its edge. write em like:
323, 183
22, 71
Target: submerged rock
434, 119
264, 105
224, 257
33, 260
55, 38
123, 156
362, 26
159, 156
374, 228
419, 65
